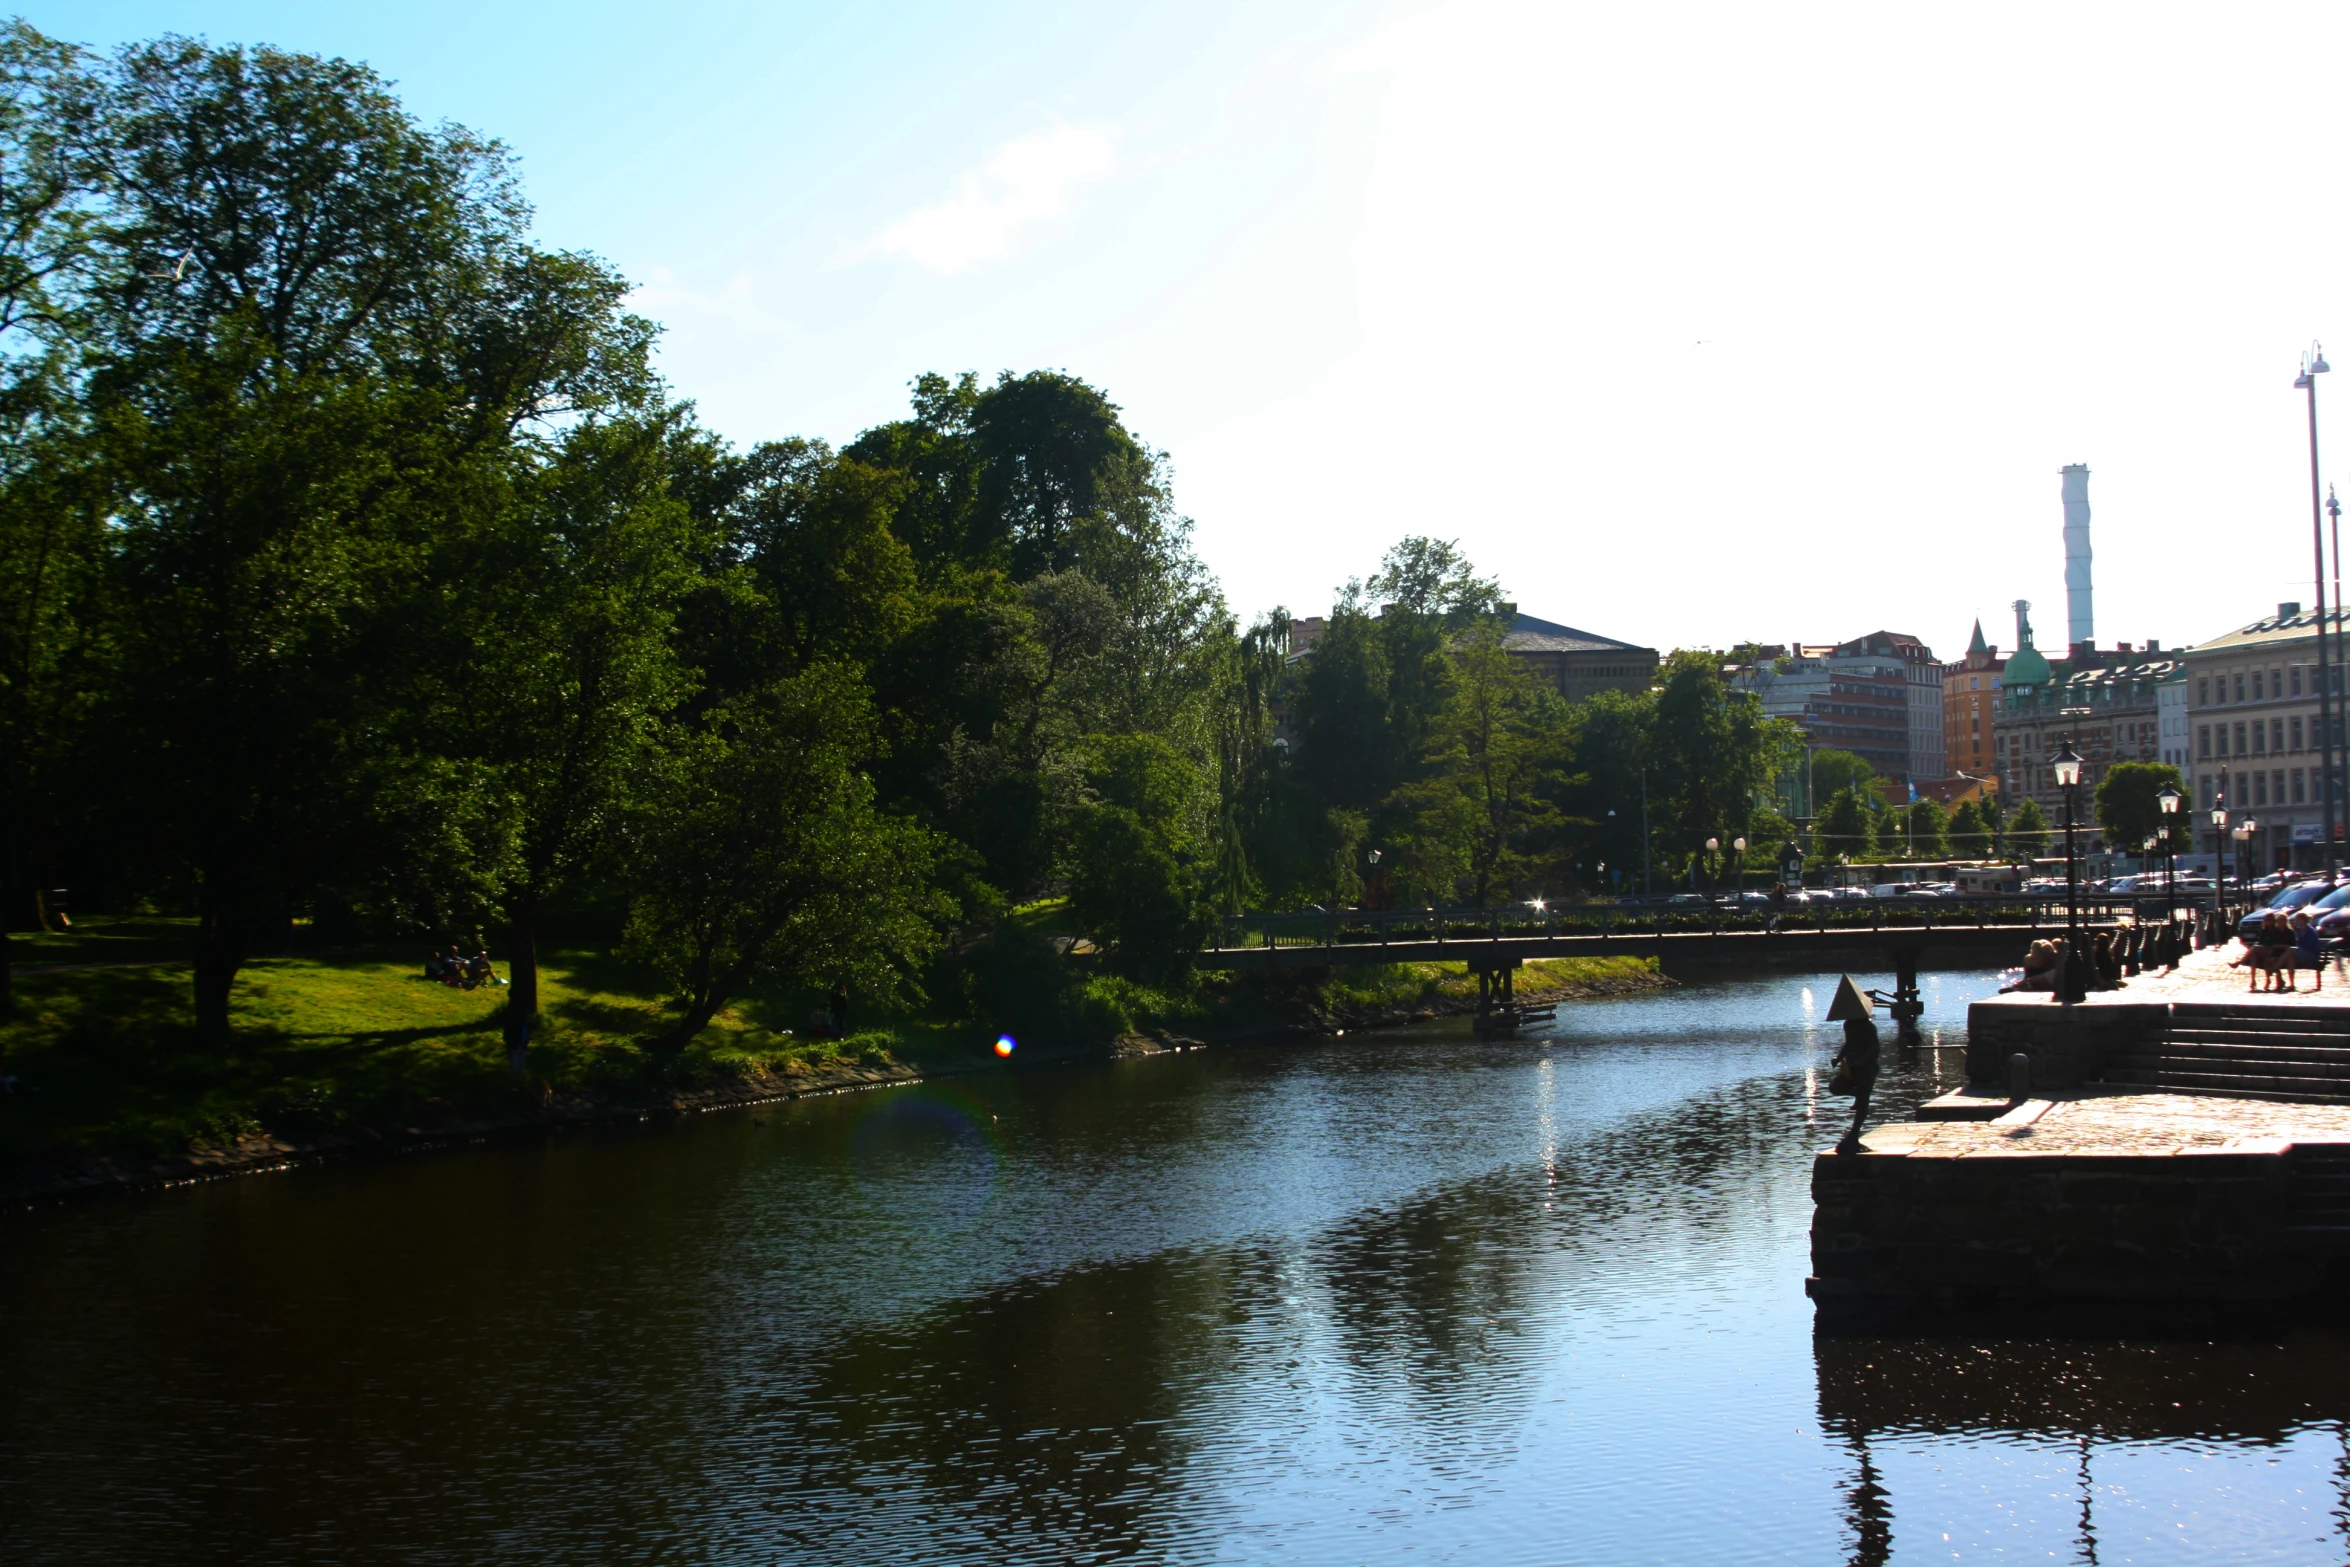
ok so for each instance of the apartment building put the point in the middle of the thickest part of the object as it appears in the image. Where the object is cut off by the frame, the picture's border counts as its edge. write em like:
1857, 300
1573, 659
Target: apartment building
2252, 706
1970, 710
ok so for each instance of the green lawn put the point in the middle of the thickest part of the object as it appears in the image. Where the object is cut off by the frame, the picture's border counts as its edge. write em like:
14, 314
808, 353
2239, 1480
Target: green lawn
107, 1058
108, 1061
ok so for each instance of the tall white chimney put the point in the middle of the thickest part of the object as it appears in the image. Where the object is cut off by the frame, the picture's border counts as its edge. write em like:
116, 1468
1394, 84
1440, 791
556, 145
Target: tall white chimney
2076, 556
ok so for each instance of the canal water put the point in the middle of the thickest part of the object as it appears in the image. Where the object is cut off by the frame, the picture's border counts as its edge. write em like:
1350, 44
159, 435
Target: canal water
1397, 1297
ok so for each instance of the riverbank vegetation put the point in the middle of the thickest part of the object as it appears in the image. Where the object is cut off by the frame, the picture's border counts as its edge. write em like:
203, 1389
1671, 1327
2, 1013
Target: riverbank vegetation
359, 1040
369, 592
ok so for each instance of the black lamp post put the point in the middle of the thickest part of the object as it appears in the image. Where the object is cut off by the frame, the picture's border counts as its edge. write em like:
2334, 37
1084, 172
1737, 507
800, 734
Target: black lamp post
2170, 800
2244, 831
2219, 862
2074, 985
1713, 871
1739, 845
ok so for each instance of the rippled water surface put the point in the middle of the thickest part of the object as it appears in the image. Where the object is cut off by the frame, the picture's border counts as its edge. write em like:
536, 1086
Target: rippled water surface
1399, 1297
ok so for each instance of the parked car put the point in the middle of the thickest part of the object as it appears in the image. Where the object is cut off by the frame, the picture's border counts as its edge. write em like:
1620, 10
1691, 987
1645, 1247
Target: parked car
2332, 912
2300, 894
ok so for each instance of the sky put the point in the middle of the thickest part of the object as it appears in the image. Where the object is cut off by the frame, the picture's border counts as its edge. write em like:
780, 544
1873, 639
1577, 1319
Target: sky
1693, 324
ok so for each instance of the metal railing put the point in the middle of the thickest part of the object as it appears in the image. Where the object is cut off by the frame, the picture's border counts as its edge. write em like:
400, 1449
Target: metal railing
1465, 927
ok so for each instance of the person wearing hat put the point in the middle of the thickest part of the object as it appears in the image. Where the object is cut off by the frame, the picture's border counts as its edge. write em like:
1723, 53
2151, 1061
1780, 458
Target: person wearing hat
1856, 1063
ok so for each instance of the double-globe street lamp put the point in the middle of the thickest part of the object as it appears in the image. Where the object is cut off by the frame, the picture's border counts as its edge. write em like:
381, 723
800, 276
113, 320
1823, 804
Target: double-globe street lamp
2073, 979
2244, 831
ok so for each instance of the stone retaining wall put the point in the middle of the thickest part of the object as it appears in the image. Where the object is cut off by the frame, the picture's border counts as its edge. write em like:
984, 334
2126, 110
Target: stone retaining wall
1899, 1235
2069, 1046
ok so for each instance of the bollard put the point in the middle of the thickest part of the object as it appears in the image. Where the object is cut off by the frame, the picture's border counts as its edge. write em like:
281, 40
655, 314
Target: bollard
2019, 1077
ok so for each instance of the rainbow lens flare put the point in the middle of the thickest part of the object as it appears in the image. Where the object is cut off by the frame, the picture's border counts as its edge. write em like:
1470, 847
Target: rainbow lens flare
1005, 1044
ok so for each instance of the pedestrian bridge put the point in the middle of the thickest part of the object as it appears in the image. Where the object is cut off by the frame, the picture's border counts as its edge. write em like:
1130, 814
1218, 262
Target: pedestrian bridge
1503, 938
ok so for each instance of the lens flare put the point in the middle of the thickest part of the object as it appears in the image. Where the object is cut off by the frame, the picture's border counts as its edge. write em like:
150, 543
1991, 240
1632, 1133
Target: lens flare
1005, 1044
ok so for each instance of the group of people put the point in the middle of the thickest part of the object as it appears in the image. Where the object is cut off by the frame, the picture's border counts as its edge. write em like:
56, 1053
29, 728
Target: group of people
2044, 961
454, 968
2285, 945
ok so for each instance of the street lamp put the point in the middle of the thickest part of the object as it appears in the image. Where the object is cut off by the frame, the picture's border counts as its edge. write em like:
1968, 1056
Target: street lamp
2075, 986
2219, 861
2313, 365
2170, 800
2244, 831
1739, 844
1713, 846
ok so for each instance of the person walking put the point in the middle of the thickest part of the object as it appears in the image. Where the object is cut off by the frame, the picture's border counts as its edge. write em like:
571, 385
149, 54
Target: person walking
1856, 1063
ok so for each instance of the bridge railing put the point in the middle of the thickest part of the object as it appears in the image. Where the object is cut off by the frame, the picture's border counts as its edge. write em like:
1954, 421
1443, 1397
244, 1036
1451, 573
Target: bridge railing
1427, 928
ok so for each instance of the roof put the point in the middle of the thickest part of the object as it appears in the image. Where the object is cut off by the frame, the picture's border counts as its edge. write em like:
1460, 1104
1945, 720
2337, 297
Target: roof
2271, 631
1978, 645
1526, 634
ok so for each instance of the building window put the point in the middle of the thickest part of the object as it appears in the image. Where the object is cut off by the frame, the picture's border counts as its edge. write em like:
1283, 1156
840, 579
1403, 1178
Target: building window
2203, 740
2203, 692
2260, 788
2256, 685
2239, 739
2276, 734
2296, 733
2207, 791
2276, 683
2298, 789
2239, 688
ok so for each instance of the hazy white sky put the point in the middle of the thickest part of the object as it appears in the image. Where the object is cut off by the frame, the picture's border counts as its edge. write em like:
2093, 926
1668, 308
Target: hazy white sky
1692, 323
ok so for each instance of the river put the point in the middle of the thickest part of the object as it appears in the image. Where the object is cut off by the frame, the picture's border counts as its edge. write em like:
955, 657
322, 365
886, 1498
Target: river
1397, 1297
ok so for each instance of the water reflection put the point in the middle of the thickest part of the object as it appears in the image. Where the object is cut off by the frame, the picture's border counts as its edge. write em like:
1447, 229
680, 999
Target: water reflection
1411, 1297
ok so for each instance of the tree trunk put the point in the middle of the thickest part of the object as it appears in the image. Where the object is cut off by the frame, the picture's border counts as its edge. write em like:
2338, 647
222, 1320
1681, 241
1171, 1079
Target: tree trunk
216, 974
220, 952
522, 1007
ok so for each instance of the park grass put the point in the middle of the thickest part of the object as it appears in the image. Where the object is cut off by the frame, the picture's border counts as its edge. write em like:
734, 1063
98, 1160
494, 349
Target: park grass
108, 1060
109, 1063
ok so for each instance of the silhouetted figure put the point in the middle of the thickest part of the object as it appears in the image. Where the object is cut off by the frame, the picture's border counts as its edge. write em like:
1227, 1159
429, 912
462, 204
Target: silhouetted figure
1856, 1063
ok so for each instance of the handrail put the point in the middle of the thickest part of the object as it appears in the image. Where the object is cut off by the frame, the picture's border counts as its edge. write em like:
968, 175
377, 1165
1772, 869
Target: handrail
1448, 926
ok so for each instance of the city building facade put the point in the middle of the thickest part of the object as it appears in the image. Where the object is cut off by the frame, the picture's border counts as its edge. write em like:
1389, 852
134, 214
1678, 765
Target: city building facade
2106, 705
1970, 710
1577, 663
1922, 697
1851, 703
2252, 712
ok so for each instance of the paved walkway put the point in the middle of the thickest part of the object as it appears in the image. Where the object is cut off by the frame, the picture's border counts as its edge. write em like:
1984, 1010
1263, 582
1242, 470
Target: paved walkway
2205, 976
2099, 1123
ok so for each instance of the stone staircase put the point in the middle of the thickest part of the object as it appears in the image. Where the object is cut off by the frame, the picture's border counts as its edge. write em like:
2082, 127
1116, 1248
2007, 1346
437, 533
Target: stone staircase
2317, 1206
2241, 1052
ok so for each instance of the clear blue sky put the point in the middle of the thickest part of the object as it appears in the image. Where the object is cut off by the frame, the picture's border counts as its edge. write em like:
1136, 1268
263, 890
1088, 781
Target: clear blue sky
1691, 322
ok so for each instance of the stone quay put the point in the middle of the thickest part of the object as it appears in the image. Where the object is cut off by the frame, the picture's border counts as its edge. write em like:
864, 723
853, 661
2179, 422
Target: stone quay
2173, 1152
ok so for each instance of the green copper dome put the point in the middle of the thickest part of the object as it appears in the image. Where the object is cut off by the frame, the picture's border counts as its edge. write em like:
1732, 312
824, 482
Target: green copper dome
2026, 668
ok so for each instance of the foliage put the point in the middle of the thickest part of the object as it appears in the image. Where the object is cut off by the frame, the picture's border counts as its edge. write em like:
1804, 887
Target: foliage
2027, 834
1845, 827
761, 857
2128, 808
1832, 770
1970, 835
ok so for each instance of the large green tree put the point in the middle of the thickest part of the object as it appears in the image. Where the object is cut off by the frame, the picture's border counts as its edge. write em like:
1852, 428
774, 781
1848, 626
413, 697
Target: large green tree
2129, 806
315, 330
761, 855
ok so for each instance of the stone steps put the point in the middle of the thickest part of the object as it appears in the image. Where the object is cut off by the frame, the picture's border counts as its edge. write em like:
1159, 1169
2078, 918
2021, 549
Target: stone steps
2242, 1052
2317, 1205
2233, 1085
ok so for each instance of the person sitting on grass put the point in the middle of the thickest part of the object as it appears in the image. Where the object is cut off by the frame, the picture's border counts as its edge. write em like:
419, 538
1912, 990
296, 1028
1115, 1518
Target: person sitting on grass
479, 972
435, 968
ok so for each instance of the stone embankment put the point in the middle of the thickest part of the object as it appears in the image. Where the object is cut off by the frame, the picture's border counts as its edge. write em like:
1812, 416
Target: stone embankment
260, 1151
2179, 1149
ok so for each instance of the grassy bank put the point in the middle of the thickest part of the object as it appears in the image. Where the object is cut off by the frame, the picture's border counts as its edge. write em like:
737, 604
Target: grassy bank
328, 1043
